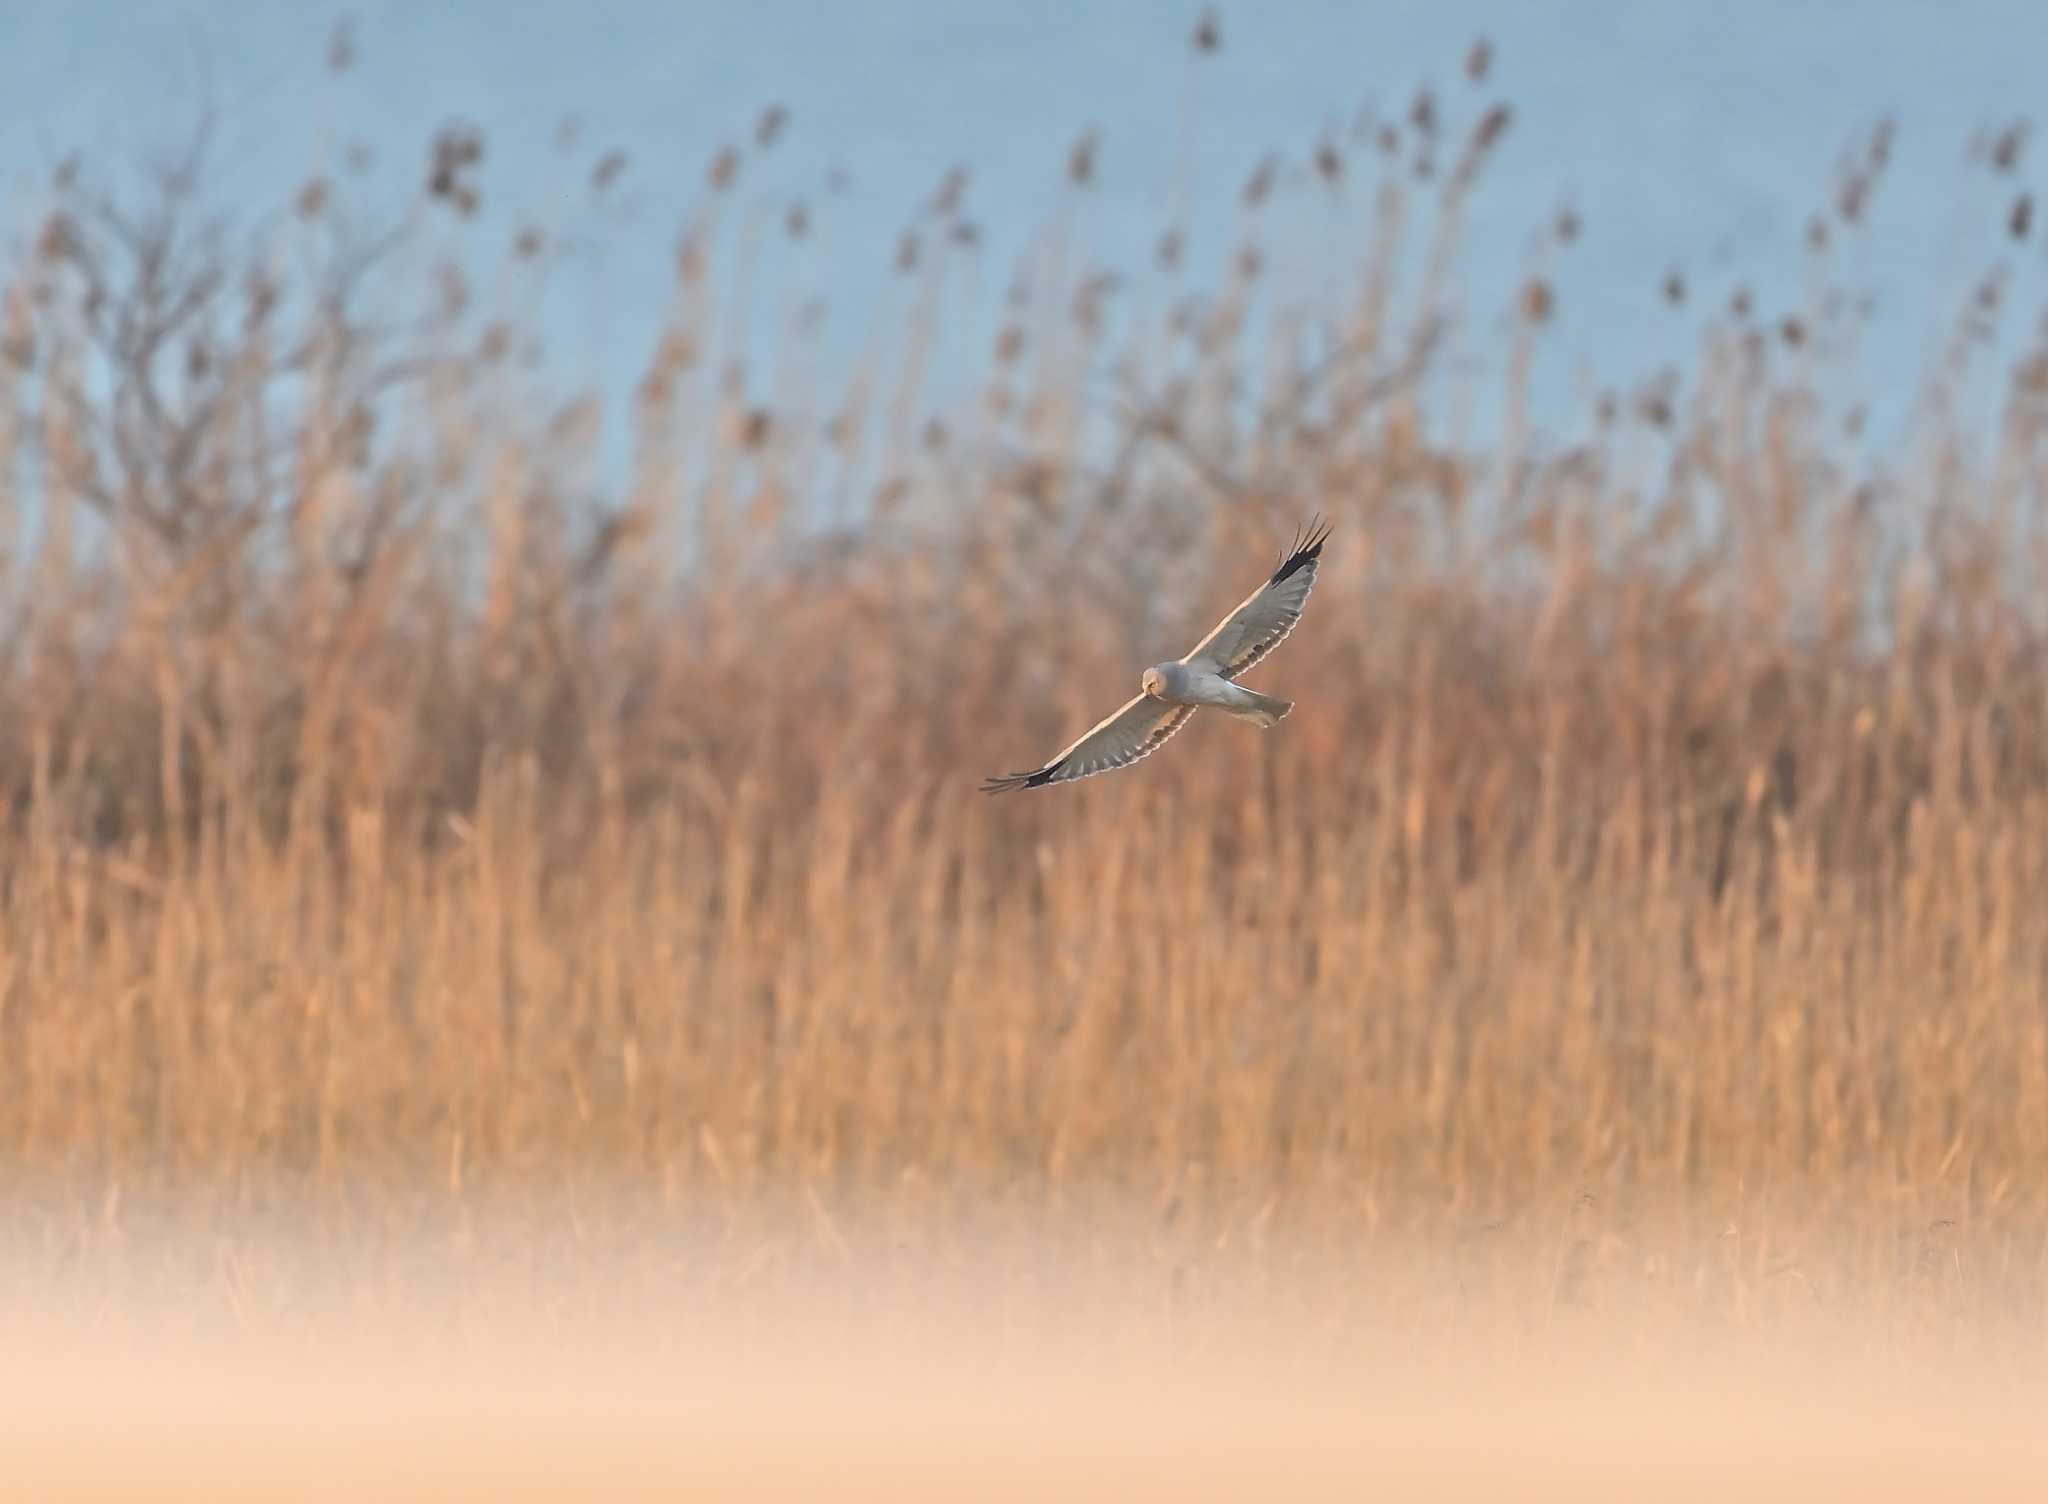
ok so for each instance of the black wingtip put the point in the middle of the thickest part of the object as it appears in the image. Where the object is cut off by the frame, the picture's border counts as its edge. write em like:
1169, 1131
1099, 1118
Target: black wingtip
1004, 783
1306, 549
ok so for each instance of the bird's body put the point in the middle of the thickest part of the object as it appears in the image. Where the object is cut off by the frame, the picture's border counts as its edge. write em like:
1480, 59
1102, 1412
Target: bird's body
1171, 692
1178, 683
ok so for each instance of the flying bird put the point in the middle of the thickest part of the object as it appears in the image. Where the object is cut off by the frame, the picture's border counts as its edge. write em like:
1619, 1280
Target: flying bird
1169, 693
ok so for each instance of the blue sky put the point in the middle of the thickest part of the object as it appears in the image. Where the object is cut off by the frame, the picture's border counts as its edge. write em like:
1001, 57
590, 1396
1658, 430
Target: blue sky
1700, 134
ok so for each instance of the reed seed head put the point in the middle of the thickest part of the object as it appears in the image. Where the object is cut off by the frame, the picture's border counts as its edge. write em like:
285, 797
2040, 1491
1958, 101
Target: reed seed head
1081, 159
2007, 146
341, 47
1422, 113
1329, 162
1492, 126
1260, 184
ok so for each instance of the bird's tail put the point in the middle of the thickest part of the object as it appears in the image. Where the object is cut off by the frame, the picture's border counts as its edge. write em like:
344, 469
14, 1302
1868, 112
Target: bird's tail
1262, 710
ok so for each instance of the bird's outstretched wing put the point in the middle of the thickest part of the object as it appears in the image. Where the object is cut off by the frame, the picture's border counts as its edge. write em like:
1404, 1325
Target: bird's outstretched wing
1268, 614
1117, 741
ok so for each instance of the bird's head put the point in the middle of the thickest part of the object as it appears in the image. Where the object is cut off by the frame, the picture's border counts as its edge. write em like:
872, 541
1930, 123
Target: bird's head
1158, 681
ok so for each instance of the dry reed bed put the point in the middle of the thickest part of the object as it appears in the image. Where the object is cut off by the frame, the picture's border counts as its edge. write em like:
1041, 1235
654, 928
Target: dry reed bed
1576, 910
1663, 818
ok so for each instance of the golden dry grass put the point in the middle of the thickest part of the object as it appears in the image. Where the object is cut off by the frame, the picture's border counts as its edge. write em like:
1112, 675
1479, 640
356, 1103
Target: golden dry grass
1642, 906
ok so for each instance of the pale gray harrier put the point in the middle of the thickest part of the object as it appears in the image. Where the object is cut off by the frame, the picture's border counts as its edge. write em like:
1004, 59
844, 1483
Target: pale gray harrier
1172, 692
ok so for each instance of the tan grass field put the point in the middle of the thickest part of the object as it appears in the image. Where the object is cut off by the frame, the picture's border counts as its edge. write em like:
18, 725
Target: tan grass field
457, 941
